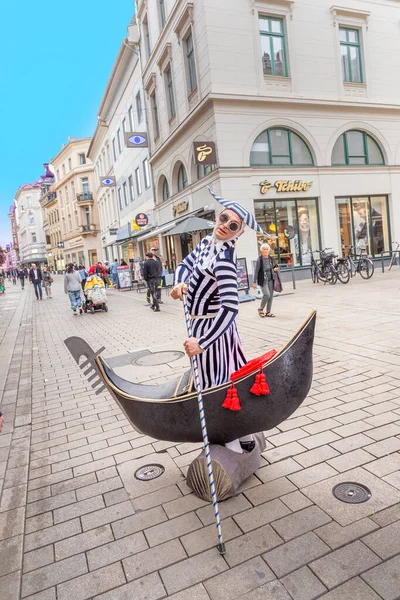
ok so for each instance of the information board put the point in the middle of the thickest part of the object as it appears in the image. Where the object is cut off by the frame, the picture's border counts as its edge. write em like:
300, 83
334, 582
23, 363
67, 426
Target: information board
124, 278
242, 274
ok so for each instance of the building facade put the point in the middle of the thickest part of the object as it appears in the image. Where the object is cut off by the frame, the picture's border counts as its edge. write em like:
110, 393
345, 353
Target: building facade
14, 236
52, 224
300, 101
122, 111
30, 233
76, 213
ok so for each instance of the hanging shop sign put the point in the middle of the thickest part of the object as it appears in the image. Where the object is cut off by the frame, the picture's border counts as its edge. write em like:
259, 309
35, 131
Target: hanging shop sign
181, 207
290, 232
285, 185
204, 153
112, 230
242, 274
136, 140
134, 225
107, 181
141, 220
124, 232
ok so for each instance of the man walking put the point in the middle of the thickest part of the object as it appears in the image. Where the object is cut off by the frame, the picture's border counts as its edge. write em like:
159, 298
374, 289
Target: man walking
35, 277
114, 272
151, 276
154, 251
21, 276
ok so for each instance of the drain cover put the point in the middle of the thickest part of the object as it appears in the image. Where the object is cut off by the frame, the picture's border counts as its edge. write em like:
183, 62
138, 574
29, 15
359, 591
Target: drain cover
149, 472
351, 493
158, 358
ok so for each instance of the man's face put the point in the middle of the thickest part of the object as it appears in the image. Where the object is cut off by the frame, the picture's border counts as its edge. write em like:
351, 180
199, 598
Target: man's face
222, 231
33, 266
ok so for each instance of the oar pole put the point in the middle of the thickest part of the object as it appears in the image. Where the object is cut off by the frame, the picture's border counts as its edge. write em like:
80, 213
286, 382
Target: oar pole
221, 545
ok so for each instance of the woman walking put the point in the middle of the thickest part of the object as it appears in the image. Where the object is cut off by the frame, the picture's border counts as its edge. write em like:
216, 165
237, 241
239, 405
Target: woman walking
72, 287
47, 281
264, 277
83, 273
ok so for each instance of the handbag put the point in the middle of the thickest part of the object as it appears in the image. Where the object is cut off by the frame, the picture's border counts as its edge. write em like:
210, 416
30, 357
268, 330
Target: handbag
277, 282
51, 280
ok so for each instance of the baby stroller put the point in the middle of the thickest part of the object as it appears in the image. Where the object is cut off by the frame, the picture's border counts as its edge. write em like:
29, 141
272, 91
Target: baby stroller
95, 294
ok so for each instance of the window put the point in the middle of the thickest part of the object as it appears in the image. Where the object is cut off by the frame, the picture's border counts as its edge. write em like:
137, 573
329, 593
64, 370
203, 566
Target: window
276, 216
33, 238
190, 62
130, 117
277, 146
66, 194
161, 13
170, 93
70, 222
63, 170
82, 159
29, 201
119, 140
273, 53
146, 34
124, 128
182, 178
139, 109
154, 111
350, 51
58, 174
60, 196
69, 164
120, 199
31, 220
85, 185
364, 223
356, 148
73, 189
203, 170
87, 217
125, 189
76, 220
138, 182
165, 190
114, 149
146, 173
131, 190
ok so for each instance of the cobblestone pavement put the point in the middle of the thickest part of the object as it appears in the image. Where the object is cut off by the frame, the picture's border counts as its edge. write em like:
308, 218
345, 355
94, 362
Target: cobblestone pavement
75, 524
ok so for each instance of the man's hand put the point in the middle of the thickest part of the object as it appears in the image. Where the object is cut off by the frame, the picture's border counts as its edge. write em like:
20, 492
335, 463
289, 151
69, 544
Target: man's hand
192, 347
276, 269
254, 285
178, 291
1, 423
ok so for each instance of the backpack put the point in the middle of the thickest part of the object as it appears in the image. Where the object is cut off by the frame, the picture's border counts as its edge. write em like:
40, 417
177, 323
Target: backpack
99, 271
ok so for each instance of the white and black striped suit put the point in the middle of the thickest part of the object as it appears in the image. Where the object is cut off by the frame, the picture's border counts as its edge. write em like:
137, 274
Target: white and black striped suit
212, 290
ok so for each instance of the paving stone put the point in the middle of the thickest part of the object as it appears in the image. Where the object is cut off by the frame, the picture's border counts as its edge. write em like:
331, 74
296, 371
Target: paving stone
116, 497
203, 539
106, 515
335, 535
73, 484
14, 497
38, 558
183, 505
50, 479
269, 491
295, 554
343, 564
296, 501
196, 592
355, 589
39, 522
98, 488
387, 516
384, 466
352, 429
287, 437
49, 594
393, 479
277, 470
12, 522
51, 575
78, 509
83, 542
384, 579
261, 515
252, 544
381, 433
318, 455
95, 465
154, 559
270, 591
312, 475
138, 522
51, 503
10, 586
348, 461
384, 447
282, 452
147, 588
240, 580
11, 555
114, 551
92, 583
227, 508
172, 528
385, 542
303, 585
157, 498
301, 522
52, 534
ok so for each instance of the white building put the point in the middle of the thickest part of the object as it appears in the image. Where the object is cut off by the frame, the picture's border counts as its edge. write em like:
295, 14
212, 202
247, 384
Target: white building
301, 99
122, 111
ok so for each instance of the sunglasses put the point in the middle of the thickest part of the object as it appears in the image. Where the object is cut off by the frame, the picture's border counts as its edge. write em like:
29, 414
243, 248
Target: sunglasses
233, 225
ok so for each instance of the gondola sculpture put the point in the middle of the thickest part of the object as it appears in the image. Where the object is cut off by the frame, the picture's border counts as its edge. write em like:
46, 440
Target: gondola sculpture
170, 412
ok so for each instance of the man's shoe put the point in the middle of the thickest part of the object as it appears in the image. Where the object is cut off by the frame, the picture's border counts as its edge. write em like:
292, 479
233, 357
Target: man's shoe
157, 310
80, 311
160, 302
248, 446
41, 298
74, 312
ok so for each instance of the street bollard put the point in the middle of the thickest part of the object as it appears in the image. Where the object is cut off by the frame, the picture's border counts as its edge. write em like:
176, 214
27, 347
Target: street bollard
383, 264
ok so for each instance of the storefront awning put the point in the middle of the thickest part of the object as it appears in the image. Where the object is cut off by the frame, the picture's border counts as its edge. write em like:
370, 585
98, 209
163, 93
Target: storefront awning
190, 225
156, 231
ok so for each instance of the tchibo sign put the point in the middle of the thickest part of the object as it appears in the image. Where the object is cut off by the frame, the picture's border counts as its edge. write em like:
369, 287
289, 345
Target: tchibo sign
284, 185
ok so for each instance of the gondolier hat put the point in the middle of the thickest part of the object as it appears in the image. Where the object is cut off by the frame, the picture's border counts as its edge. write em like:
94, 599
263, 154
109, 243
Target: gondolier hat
242, 213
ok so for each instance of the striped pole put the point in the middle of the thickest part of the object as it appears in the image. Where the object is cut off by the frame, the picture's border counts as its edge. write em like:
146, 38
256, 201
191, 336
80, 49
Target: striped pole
221, 545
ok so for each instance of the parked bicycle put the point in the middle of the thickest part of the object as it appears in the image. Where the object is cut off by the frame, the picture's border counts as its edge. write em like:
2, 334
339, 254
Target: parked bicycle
361, 263
323, 270
394, 253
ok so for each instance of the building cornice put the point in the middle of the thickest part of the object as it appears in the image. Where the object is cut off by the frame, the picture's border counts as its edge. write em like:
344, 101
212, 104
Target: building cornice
64, 150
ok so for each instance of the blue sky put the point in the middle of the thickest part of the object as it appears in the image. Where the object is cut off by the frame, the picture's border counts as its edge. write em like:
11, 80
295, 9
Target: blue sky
55, 59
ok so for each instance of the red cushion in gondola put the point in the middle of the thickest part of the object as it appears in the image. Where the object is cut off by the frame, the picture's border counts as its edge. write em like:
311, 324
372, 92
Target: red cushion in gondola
252, 365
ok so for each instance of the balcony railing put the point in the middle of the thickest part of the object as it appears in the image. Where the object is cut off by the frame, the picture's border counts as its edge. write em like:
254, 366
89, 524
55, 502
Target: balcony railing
92, 228
85, 197
48, 199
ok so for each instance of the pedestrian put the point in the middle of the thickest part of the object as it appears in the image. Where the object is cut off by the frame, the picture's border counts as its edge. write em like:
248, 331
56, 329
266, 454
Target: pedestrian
123, 263
264, 277
100, 271
83, 273
14, 274
114, 272
72, 287
47, 281
1, 421
154, 251
151, 275
208, 276
107, 275
35, 277
21, 277
2, 283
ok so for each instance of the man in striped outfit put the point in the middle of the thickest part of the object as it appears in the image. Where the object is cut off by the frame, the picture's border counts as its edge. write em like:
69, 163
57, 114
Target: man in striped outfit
208, 276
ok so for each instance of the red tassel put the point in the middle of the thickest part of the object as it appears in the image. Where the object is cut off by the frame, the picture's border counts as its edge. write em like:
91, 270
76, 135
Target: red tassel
264, 385
256, 387
231, 401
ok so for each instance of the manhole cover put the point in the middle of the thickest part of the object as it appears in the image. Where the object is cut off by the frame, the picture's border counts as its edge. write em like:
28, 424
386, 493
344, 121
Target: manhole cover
351, 493
158, 358
149, 472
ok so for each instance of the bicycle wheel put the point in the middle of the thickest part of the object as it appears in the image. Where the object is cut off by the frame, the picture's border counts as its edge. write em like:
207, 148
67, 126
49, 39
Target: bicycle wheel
331, 275
343, 273
314, 275
366, 268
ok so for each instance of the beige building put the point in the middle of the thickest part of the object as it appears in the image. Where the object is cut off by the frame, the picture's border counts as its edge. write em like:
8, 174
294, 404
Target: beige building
76, 203
301, 99
52, 229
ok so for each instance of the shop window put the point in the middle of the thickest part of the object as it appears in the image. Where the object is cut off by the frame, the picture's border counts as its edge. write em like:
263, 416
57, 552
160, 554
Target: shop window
182, 178
278, 146
356, 148
350, 50
364, 223
204, 170
273, 46
296, 224
165, 190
